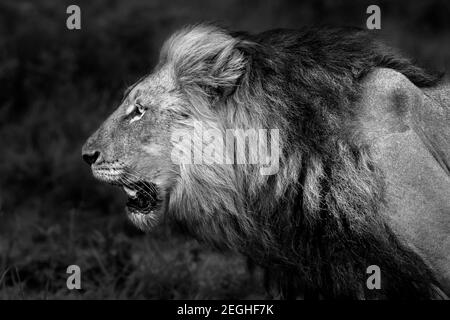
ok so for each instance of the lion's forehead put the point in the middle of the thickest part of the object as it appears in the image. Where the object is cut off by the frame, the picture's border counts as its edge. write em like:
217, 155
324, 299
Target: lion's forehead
156, 89
159, 82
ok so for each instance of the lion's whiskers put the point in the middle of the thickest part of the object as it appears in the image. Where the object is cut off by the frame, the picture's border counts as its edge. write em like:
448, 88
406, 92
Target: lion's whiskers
125, 179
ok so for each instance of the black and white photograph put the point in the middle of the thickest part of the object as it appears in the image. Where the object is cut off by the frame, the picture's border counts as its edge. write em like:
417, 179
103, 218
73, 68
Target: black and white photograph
247, 152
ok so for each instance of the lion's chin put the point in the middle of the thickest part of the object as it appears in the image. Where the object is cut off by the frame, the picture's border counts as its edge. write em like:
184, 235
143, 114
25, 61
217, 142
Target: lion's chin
143, 220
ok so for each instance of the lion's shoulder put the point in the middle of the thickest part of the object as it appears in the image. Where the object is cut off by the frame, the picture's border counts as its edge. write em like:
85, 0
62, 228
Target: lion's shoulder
408, 131
387, 101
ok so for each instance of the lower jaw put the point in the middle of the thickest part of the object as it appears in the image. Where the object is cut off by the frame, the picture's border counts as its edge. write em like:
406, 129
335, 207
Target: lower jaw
143, 220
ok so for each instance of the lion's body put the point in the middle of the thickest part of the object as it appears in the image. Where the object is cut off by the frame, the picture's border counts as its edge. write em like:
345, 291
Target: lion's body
333, 208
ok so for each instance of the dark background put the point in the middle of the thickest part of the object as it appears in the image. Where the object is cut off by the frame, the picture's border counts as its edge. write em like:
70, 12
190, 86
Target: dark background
57, 85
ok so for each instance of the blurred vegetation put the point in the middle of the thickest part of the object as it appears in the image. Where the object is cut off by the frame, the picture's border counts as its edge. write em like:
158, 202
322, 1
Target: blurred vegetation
57, 86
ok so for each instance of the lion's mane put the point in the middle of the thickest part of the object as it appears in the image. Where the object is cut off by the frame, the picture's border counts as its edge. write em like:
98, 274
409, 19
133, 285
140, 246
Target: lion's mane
315, 225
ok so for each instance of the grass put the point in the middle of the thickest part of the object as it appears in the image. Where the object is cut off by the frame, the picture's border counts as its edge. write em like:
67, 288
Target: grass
116, 261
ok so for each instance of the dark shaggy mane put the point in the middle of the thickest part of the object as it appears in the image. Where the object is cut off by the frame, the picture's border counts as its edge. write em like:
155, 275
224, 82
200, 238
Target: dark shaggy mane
316, 225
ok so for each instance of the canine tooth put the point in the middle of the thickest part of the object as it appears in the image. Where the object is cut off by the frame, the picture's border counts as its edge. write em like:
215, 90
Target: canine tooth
130, 192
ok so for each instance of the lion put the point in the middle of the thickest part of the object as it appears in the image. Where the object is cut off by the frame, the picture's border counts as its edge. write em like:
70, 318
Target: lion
362, 174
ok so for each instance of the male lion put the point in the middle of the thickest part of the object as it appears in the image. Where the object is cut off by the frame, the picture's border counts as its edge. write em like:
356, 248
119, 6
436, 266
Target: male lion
363, 176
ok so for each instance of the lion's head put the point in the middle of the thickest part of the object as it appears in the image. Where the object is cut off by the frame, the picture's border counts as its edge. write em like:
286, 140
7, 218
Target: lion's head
136, 147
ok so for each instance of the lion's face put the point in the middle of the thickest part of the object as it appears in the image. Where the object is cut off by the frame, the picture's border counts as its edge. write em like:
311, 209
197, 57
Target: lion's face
131, 148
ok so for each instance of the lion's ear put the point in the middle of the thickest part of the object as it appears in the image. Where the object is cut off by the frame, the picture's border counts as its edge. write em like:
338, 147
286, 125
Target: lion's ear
207, 57
228, 69
216, 70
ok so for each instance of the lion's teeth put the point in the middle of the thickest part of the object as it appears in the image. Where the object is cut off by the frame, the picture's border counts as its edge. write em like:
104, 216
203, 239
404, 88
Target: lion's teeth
130, 192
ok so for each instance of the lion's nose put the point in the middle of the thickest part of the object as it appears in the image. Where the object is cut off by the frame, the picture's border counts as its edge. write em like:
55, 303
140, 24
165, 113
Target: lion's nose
90, 157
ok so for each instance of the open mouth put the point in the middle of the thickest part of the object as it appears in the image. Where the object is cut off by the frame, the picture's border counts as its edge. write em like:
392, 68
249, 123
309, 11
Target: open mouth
142, 197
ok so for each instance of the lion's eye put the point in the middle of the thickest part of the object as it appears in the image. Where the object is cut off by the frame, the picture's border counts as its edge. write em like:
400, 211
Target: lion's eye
136, 112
